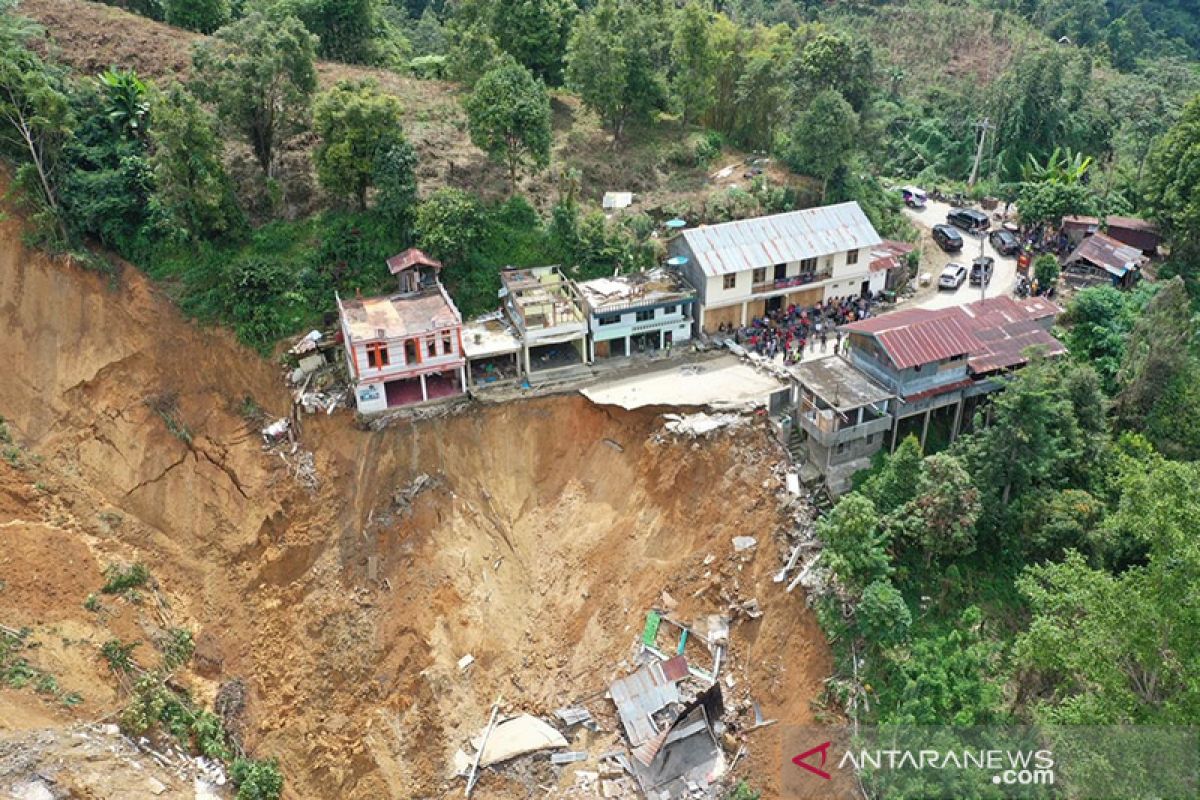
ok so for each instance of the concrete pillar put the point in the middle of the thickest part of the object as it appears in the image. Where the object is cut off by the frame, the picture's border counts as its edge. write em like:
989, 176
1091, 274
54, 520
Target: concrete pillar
745, 320
469, 378
895, 430
526, 351
462, 377
592, 347
860, 415
925, 427
628, 345
424, 390
958, 415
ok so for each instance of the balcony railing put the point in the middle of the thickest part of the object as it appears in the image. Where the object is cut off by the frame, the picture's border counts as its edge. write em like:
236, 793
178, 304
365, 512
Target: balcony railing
803, 279
820, 428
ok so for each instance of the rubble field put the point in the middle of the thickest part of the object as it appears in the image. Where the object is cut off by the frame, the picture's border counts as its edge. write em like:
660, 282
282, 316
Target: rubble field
371, 611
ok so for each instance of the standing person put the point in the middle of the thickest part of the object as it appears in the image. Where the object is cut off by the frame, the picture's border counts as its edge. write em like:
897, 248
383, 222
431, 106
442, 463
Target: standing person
824, 340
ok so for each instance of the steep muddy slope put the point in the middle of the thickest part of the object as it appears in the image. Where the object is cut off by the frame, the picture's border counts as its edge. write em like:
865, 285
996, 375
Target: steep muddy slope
540, 534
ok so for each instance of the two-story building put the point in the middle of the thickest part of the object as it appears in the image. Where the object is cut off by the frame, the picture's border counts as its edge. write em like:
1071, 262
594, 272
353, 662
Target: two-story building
548, 314
912, 371
634, 313
749, 267
406, 347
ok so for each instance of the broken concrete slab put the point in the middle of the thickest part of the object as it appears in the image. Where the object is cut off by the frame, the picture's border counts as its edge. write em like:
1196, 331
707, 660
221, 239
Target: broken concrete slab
513, 737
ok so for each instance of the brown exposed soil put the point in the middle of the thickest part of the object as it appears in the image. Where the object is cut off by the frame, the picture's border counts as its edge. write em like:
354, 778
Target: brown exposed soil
536, 546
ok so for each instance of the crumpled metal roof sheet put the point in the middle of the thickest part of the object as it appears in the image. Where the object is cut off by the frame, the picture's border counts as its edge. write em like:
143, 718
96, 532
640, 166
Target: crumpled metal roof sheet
640, 695
780, 238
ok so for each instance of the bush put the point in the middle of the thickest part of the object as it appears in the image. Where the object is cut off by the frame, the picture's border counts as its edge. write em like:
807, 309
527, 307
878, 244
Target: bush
118, 579
257, 780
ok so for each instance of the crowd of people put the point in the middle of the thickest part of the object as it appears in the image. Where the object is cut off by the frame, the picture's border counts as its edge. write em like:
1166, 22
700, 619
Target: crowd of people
786, 332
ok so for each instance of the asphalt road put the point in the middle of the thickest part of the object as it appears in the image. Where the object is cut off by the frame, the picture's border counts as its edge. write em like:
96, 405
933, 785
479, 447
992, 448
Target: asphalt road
1004, 273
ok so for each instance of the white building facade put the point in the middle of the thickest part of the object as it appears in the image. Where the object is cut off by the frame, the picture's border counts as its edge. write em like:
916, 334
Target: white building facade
636, 313
747, 268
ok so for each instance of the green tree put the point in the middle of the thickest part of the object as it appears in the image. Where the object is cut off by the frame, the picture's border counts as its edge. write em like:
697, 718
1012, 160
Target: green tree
1173, 192
396, 182
1123, 648
940, 519
260, 76
1050, 201
1027, 438
855, 543
833, 62
508, 116
881, 615
824, 138
449, 225
35, 117
190, 180
347, 30
1098, 322
472, 47
896, 482
610, 66
355, 121
1046, 270
1160, 351
202, 16
942, 679
692, 58
535, 33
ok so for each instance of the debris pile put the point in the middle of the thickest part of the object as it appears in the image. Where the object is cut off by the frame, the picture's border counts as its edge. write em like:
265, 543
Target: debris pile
314, 367
701, 424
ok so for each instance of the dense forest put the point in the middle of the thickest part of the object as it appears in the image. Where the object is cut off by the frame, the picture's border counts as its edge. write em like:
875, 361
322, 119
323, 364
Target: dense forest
1044, 568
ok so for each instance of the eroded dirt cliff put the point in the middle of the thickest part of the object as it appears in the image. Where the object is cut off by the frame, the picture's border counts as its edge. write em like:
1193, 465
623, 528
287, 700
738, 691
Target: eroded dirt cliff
542, 532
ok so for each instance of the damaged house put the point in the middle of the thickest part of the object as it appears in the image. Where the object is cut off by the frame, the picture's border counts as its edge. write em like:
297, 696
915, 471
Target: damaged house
1100, 259
548, 315
912, 372
642, 311
406, 347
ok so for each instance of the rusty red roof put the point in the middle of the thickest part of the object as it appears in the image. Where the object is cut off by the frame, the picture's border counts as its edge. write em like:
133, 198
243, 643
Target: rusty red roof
410, 258
992, 333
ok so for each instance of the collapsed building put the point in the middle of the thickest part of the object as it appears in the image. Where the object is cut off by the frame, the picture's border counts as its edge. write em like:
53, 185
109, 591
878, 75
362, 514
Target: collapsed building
910, 371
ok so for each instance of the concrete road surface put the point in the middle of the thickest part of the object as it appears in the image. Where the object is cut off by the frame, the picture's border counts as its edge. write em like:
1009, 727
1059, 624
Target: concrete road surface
1004, 274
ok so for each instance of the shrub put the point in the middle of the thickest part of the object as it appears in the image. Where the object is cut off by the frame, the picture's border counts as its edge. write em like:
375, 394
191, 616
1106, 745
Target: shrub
118, 654
257, 780
119, 579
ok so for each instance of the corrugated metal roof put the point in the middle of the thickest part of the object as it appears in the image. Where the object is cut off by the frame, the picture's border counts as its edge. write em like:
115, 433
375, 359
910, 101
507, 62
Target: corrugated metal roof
640, 695
780, 238
1108, 254
992, 332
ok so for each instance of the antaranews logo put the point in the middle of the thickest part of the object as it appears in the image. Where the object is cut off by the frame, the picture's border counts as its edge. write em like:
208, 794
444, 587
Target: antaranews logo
1089, 763
802, 759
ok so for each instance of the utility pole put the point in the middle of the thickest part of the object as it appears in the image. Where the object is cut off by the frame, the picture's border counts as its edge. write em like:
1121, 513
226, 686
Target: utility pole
982, 269
983, 129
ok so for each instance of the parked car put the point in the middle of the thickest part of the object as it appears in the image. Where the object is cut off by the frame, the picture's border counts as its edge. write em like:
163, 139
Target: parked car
981, 270
969, 219
947, 238
952, 276
914, 197
1005, 242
